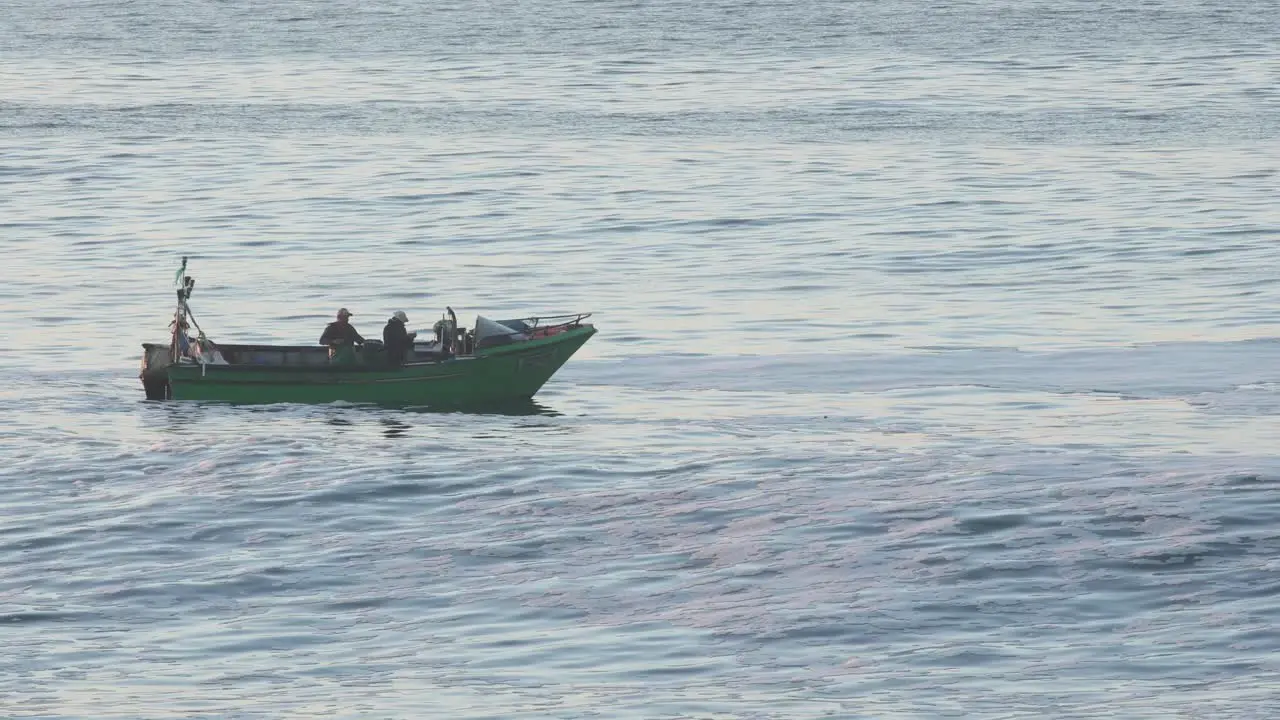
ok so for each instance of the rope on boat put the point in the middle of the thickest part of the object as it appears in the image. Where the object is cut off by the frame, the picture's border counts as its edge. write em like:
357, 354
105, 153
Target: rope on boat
185, 285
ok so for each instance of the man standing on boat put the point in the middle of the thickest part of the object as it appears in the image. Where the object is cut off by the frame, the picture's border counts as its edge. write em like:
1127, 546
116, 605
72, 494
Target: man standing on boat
397, 339
341, 338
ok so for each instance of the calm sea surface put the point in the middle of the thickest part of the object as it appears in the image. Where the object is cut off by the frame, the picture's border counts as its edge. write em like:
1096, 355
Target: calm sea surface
938, 371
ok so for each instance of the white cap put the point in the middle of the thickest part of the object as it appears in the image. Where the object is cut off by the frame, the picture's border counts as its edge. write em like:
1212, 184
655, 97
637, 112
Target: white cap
399, 315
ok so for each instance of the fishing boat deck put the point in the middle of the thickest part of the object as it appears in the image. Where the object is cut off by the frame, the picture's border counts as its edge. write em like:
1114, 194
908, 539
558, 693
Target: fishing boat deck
302, 356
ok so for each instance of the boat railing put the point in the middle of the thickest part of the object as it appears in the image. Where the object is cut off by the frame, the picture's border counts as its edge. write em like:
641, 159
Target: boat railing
529, 328
535, 323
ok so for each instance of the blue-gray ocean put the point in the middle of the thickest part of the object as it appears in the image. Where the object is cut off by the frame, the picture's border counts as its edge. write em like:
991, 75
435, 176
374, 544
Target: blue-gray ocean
938, 371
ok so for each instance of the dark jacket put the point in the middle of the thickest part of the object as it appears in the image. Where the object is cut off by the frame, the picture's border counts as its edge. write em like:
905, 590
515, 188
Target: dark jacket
340, 332
396, 339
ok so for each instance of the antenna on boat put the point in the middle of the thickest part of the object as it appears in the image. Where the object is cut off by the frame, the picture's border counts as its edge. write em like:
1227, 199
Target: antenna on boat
176, 334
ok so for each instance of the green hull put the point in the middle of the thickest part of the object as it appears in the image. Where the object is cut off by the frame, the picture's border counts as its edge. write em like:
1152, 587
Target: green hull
502, 374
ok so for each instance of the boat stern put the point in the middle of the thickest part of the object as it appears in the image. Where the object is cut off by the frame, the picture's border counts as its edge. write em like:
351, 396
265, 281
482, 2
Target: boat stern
155, 371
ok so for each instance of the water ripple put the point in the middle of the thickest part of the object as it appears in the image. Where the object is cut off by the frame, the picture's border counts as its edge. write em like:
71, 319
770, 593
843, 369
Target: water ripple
935, 375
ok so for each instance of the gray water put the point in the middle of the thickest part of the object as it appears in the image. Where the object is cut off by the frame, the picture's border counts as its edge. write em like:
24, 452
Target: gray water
937, 372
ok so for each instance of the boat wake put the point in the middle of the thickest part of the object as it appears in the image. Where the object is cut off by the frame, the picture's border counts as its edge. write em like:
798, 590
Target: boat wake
1186, 370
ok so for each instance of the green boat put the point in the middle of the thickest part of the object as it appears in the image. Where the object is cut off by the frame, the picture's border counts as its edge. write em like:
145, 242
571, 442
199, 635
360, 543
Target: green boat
491, 364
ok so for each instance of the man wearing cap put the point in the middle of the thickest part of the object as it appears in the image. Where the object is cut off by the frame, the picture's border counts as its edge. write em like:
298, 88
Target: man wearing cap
396, 339
341, 338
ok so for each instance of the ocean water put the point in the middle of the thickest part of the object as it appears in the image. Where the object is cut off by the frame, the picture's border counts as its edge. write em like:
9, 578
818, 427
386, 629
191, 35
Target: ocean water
938, 372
